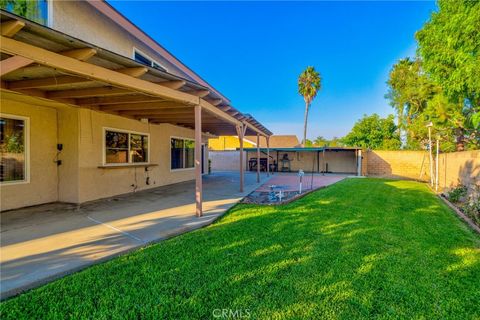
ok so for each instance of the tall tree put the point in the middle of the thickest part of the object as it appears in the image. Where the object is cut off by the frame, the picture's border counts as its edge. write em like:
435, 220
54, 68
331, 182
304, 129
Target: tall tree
309, 83
449, 44
409, 92
374, 132
321, 142
419, 100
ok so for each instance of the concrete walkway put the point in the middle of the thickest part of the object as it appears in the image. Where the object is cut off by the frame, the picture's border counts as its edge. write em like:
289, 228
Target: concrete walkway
45, 242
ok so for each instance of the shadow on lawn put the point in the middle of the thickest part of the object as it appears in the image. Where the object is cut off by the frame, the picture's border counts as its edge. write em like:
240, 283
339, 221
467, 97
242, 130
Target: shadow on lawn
359, 249
407, 250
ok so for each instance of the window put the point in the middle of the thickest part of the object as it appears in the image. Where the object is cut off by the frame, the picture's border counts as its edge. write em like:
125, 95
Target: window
14, 148
189, 153
122, 147
35, 10
182, 153
146, 60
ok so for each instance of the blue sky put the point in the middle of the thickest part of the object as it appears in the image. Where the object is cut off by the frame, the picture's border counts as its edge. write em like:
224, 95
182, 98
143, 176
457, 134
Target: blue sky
253, 53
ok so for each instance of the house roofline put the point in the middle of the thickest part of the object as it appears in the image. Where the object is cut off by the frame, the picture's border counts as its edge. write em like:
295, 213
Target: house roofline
113, 14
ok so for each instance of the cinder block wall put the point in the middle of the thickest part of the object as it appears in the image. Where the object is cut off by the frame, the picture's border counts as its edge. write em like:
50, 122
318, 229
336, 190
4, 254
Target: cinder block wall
453, 168
459, 168
399, 164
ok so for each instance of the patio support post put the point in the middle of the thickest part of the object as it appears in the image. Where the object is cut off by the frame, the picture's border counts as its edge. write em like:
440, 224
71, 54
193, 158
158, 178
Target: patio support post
241, 134
268, 156
198, 161
258, 157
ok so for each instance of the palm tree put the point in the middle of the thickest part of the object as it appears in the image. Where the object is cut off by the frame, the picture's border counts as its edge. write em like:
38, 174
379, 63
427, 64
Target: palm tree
309, 83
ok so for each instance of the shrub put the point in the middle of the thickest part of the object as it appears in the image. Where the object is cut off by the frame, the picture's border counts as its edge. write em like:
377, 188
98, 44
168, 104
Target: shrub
456, 194
472, 209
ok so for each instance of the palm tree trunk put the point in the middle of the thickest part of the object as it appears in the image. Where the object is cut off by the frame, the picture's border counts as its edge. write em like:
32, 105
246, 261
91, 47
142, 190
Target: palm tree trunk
304, 142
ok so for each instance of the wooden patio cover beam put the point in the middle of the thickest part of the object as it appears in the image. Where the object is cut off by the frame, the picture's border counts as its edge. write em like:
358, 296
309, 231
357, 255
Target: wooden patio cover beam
13, 63
98, 73
65, 80
82, 54
118, 100
174, 84
158, 112
10, 28
87, 92
182, 120
150, 105
45, 82
161, 105
91, 71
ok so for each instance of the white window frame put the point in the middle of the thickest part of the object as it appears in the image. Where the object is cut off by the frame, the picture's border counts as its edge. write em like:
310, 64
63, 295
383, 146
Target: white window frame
136, 50
129, 163
26, 166
170, 146
50, 13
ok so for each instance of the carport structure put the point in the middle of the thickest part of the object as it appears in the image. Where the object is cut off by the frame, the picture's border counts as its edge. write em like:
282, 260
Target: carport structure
48, 65
340, 160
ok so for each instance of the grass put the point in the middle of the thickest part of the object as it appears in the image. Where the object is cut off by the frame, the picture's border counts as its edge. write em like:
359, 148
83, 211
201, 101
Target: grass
362, 248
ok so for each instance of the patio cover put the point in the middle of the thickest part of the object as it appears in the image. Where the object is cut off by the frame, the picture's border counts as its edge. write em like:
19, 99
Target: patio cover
49, 65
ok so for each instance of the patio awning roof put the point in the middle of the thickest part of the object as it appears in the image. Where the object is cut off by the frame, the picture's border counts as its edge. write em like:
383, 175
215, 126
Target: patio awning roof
40, 62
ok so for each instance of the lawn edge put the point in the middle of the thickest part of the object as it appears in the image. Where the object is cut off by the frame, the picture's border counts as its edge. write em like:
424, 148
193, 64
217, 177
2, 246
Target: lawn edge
460, 214
15, 292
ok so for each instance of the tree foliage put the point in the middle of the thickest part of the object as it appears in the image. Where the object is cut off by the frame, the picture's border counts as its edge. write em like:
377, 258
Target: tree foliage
309, 84
322, 142
442, 84
449, 44
409, 91
374, 132
418, 100
30, 9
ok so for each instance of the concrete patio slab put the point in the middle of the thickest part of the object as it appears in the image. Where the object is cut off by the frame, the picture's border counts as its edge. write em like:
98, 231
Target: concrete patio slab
45, 242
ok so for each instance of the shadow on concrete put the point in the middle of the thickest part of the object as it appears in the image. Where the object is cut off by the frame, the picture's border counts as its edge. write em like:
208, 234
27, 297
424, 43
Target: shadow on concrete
47, 241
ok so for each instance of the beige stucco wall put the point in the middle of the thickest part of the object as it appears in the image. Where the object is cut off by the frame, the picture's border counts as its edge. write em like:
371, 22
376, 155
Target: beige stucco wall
79, 179
80, 20
68, 136
226, 160
98, 183
42, 186
340, 161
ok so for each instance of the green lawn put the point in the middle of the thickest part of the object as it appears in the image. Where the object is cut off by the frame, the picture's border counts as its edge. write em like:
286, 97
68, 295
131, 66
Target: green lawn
362, 248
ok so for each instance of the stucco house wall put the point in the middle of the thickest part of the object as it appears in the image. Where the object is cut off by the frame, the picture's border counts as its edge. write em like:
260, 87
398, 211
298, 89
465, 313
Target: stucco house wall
98, 182
80, 20
68, 136
79, 179
42, 185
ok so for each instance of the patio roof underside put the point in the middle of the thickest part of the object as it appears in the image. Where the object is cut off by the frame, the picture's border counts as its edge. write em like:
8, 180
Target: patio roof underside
51, 65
